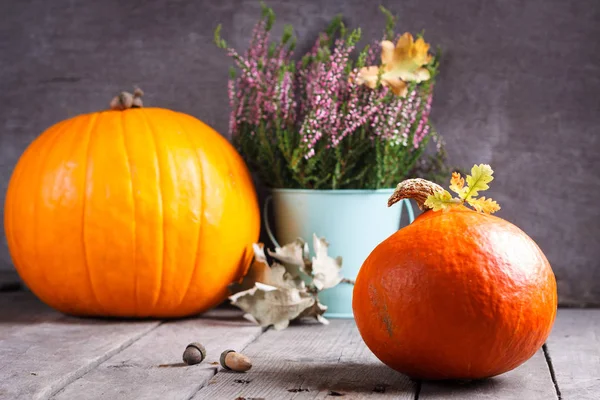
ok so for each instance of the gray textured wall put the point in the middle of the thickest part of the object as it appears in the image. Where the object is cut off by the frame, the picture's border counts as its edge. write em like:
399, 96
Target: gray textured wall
519, 89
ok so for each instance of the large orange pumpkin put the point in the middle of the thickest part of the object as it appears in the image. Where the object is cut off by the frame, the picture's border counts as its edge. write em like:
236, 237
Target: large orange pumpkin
135, 212
457, 294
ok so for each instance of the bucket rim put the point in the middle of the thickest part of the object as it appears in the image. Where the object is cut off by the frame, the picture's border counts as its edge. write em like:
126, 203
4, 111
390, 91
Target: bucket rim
333, 191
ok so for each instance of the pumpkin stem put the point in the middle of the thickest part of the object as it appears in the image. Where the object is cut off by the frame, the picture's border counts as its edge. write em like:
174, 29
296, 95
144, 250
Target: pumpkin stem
125, 100
417, 189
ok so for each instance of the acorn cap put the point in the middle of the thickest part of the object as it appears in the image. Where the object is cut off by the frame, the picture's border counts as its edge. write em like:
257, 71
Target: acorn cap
222, 359
194, 353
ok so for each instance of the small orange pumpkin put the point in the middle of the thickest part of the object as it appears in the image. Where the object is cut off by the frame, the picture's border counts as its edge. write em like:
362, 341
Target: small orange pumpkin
131, 212
457, 294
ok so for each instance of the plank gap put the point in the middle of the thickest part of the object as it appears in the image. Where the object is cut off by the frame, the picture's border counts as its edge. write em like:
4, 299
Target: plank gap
85, 369
200, 386
218, 368
530, 380
574, 346
152, 367
418, 389
552, 372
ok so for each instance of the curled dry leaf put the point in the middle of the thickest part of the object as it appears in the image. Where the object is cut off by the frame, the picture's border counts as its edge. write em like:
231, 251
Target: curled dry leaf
294, 256
269, 305
325, 269
316, 311
278, 293
276, 275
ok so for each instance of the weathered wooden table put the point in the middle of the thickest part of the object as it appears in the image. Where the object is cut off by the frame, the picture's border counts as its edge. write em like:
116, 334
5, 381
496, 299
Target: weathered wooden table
47, 355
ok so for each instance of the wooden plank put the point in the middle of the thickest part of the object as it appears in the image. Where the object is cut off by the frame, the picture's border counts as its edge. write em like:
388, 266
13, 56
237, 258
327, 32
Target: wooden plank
311, 361
41, 350
152, 368
574, 351
531, 381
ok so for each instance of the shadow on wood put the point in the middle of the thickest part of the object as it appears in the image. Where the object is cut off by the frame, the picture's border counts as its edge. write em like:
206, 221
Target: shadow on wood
531, 381
344, 377
303, 376
463, 387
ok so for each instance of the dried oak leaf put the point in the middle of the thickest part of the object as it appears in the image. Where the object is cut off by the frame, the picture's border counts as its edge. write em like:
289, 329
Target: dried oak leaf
325, 269
276, 275
269, 305
294, 256
277, 294
400, 63
316, 311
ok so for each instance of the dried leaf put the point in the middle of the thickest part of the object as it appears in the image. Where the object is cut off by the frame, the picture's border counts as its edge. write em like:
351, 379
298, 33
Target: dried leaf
401, 63
256, 272
457, 184
325, 269
441, 200
478, 181
281, 278
316, 311
294, 256
277, 294
269, 305
483, 205
276, 275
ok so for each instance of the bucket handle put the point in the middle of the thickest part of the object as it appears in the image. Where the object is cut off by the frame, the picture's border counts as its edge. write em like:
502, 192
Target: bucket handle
409, 209
266, 221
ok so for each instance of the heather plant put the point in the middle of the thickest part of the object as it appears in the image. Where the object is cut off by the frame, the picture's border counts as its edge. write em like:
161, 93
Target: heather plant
329, 120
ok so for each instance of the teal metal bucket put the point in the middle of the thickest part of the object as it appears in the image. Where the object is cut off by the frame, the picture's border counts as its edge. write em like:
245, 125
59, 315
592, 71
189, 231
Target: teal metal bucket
354, 222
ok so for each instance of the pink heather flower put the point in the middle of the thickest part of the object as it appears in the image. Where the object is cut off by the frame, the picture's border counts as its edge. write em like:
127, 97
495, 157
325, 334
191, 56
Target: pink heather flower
319, 100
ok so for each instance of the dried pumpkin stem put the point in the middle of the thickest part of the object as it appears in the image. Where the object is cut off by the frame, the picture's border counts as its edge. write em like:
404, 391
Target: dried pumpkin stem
126, 100
417, 189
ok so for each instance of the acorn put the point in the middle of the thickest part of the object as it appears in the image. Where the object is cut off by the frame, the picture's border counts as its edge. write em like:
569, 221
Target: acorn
194, 353
234, 361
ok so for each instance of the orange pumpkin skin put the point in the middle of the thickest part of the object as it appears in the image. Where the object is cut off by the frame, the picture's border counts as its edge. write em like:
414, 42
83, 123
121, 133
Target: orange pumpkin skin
455, 295
145, 212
